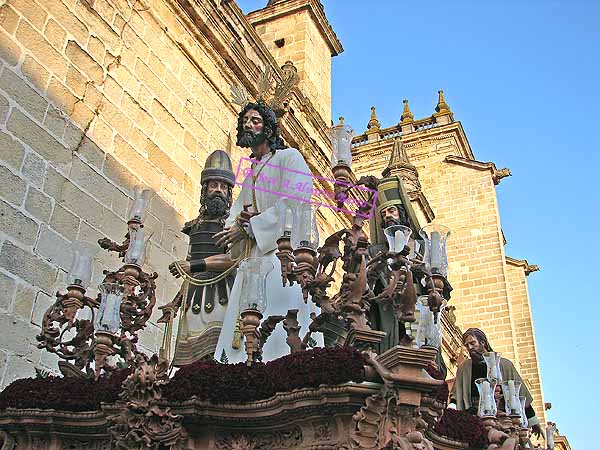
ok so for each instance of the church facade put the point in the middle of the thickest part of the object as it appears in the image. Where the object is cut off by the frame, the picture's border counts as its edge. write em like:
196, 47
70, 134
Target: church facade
98, 96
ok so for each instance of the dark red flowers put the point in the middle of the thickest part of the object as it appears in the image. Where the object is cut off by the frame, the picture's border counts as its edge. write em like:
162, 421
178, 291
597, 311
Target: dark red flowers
462, 426
210, 381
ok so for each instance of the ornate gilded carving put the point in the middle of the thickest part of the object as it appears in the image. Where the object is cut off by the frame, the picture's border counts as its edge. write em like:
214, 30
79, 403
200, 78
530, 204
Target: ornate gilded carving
391, 419
142, 423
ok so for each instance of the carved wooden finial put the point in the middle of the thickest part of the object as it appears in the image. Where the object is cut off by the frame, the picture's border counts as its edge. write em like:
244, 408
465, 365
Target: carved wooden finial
407, 116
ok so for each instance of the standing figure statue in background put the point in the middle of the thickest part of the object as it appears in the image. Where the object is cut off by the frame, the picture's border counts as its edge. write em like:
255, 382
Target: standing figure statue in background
464, 394
391, 210
208, 273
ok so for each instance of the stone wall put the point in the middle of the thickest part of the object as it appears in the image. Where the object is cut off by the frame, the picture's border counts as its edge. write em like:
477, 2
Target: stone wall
525, 336
91, 104
297, 31
95, 97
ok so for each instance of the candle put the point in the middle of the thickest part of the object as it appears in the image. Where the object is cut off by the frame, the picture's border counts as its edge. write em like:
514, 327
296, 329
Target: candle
398, 241
511, 395
550, 428
435, 251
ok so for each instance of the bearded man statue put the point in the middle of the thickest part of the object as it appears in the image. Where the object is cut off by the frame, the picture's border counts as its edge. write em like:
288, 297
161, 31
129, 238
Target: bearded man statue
255, 225
206, 292
464, 394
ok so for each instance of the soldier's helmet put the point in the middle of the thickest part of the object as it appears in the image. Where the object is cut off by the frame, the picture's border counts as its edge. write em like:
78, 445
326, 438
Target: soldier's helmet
218, 167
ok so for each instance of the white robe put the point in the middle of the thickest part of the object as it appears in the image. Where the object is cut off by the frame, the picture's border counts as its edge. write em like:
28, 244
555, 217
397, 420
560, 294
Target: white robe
266, 229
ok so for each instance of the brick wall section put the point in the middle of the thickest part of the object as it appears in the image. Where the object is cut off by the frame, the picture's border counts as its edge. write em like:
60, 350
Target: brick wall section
95, 97
525, 336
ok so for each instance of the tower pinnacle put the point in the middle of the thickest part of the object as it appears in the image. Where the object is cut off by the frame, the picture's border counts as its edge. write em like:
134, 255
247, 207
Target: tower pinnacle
407, 115
373, 122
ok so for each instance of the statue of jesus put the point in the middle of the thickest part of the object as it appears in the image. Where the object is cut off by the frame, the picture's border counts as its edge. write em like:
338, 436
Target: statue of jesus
279, 179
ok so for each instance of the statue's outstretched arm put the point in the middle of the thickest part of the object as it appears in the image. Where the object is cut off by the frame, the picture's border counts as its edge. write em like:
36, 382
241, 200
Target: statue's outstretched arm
218, 263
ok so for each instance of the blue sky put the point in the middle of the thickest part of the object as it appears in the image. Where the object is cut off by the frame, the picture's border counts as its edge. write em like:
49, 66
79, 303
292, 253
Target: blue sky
523, 78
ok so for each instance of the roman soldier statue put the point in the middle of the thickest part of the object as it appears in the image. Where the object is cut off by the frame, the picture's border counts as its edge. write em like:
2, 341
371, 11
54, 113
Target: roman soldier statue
208, 272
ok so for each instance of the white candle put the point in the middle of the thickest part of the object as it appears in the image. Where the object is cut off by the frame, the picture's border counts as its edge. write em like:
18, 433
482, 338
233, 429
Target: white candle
485, 394
398, 241
435, 250
550, 436
511, 395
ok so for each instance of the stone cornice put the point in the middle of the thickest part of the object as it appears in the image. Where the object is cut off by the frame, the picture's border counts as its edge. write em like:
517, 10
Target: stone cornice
528, 268
287, 7
497, 174
454, 128
362, 148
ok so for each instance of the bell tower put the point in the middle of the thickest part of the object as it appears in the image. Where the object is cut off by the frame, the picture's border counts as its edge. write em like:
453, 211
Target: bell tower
298, 31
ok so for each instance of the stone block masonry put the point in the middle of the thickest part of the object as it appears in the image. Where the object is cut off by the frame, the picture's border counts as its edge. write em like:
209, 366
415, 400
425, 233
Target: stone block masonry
94, 98
525, 336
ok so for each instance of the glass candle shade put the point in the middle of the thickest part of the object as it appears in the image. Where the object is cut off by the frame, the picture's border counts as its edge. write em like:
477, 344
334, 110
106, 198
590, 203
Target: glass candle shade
524, 421
429, 333
510, 392
492, 361
288, 223
435, 258
254, 283
414, 246
313, 239
341, 142
84, 313
306, 231
397, 237
108, 318
136, 252
487, 401
80, 273
141, 201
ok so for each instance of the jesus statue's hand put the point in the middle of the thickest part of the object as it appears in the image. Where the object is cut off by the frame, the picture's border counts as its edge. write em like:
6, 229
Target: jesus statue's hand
229, 236
246, 215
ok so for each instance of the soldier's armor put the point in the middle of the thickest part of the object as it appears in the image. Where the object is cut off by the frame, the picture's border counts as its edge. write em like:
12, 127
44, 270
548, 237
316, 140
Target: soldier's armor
202, 245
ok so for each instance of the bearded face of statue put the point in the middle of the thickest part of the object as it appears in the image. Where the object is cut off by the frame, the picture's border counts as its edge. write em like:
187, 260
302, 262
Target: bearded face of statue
390, 216
217, 201
475, 348
253, 131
